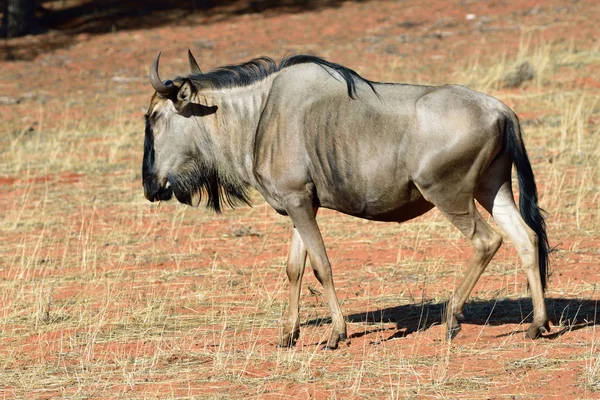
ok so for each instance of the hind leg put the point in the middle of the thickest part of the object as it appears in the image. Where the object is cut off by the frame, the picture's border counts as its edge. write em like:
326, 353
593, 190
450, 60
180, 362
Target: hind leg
499, 201
460, 209
485, 242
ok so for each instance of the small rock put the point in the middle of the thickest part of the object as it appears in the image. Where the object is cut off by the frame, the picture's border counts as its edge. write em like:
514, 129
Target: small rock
5, 100
521, 73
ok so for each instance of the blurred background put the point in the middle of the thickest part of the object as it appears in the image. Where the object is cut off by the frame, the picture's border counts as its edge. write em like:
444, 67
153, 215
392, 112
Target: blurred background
105, 295
24, 17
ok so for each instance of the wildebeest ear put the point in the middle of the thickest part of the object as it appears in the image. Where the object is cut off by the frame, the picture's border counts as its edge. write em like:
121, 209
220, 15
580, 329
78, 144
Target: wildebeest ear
184, 95
185, 92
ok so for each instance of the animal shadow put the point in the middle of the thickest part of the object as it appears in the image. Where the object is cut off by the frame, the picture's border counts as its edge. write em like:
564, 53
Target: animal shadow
567, 314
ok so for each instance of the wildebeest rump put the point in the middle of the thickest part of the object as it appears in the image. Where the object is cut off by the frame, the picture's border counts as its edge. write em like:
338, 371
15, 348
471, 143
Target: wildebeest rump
308, 133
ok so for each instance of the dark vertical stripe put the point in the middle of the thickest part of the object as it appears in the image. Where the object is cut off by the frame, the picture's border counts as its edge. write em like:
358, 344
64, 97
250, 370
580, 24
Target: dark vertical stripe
148, 160
528, 197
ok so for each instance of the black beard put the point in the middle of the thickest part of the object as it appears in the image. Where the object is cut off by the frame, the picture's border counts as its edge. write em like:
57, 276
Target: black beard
198, 179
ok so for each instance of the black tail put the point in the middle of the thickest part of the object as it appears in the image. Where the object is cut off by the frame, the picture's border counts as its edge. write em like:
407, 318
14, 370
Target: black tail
528, 198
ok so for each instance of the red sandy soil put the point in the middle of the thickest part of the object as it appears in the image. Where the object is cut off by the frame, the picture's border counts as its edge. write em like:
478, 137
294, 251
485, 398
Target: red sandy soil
76, 79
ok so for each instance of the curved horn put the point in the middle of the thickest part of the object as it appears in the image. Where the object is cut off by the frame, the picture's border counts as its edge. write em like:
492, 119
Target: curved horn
162, 88
193, 64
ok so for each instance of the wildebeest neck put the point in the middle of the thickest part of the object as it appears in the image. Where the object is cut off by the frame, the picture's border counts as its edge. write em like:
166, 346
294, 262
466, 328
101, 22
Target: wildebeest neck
232, 129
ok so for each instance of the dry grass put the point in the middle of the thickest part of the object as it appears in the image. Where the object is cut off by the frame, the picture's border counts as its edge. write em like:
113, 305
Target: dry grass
104, 295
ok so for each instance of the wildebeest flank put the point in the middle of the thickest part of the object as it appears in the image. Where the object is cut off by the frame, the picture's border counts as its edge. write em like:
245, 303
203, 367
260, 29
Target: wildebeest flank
308, 133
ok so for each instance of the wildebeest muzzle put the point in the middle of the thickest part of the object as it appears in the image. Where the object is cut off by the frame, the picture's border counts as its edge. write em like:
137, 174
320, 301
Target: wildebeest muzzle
155, 191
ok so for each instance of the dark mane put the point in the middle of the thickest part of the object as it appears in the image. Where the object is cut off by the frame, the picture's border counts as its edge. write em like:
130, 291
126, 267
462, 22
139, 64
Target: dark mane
258, 69
199, 179
236, 75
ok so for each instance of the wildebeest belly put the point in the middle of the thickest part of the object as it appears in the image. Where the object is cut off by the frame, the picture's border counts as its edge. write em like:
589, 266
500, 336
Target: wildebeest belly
404, 212
384, 198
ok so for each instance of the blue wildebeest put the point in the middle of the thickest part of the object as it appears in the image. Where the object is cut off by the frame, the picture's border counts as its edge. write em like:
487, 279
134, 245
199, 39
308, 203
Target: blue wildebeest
308, 133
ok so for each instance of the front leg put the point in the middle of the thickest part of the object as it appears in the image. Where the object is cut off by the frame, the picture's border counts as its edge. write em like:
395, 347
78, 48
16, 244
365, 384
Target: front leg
300, 209
290, 326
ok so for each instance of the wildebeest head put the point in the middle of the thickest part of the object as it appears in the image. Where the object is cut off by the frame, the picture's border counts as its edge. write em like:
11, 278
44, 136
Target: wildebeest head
178, 158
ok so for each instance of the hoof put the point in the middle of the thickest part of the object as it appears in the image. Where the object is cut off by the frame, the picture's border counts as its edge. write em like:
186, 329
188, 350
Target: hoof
333, 342
535, 331
330, 346
285, 346
545, 328
452, 332
288, 340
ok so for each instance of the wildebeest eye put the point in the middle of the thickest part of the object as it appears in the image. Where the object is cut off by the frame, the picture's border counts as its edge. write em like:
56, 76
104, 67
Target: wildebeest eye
153, 116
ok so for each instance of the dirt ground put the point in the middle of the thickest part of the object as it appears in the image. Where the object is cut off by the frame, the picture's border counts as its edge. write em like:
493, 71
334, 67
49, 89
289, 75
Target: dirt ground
105, 295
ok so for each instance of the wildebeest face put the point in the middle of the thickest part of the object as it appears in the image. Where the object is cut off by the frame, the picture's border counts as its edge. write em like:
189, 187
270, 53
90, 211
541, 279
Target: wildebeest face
170, 150
176, 152
179, 147
168, 145
156, 186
